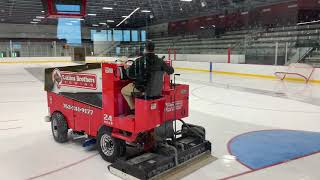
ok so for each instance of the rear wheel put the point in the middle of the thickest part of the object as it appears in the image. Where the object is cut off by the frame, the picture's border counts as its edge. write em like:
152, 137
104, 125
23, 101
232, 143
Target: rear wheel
59, 127
110, 148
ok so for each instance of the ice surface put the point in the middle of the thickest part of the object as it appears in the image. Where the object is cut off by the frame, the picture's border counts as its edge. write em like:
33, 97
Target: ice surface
226, 105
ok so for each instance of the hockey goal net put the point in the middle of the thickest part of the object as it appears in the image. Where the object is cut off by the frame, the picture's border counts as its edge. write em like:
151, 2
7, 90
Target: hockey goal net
296, 70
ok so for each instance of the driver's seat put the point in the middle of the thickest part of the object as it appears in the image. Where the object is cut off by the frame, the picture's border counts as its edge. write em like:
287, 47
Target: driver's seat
153, 88
154, 85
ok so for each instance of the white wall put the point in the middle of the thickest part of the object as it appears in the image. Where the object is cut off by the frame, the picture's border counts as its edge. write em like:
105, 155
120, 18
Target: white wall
215, 58
262, 70
236, 59
35, 59
55, 59
192, 65
258, 70
100, 59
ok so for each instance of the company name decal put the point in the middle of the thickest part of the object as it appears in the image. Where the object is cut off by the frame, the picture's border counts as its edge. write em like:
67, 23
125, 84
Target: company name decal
72, 79
170, 106
78, 109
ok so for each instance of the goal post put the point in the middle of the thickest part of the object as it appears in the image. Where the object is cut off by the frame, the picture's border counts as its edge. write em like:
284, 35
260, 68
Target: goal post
296, 70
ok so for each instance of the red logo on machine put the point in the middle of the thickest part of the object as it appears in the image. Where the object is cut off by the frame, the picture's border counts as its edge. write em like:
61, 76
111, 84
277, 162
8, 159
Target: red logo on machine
73, 79
56, 76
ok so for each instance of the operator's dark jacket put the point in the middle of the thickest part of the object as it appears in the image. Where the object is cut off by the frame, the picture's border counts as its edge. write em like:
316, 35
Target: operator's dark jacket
142, 68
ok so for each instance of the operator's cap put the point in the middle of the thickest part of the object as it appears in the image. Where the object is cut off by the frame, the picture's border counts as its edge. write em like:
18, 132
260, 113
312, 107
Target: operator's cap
150, 46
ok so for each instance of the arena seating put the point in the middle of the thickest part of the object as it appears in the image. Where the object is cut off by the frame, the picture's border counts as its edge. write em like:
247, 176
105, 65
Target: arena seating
313, 58
257, 42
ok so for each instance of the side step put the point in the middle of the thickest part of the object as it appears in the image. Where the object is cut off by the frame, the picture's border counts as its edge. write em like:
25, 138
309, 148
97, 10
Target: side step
163, 164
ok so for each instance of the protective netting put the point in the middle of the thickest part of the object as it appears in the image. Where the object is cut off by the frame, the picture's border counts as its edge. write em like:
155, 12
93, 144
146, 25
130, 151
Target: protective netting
296, 71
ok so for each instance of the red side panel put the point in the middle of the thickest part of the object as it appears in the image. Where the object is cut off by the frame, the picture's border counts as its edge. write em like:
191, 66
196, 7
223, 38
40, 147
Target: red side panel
152, 113
125, 123
149, 114
80, 116
308, 4
113, 100
193, 25
96, 121
177, 102
87, 118
61, 104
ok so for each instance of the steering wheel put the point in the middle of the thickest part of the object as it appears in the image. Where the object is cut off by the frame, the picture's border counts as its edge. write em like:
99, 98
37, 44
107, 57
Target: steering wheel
129, 62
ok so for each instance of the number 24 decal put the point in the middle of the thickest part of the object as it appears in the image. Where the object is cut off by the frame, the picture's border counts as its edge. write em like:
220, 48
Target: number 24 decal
107, 118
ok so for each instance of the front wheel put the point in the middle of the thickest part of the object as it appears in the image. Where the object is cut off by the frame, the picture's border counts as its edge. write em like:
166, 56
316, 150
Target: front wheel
110, 148
59, 128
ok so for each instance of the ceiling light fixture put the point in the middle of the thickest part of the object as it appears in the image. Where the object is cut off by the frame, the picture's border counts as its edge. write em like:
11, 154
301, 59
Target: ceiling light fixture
40, 17
128, 16
95, 25
110, 21
38, 20
203, 3
145, 11
186, 0
310, 22
92, 14
107, 8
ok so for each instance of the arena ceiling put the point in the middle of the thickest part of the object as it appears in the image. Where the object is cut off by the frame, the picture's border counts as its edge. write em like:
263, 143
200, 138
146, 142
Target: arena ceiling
25, 11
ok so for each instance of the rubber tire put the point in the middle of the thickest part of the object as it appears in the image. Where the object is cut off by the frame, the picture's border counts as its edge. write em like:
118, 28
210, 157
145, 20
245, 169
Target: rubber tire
119, 146
62, 127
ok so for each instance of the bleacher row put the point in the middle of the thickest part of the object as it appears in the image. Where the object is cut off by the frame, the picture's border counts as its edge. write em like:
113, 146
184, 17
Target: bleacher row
243, 41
